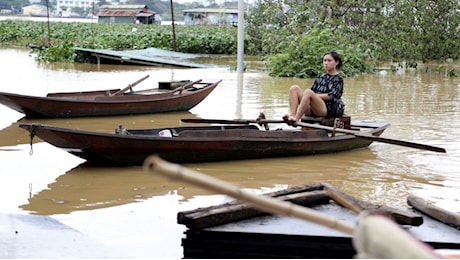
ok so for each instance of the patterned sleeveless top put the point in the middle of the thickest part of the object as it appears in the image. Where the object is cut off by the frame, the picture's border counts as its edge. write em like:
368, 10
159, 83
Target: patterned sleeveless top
333, 86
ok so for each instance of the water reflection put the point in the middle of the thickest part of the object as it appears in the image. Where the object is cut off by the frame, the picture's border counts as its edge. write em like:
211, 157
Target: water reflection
88, 187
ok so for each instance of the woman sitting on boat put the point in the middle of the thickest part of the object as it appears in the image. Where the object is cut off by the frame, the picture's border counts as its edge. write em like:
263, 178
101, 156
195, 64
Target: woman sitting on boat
324, 97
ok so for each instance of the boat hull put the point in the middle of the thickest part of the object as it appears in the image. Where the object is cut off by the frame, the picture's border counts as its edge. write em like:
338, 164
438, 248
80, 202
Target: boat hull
195, 144
99, 103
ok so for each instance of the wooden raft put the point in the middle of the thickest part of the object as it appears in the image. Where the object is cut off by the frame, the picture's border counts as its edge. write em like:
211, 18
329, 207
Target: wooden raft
307, 195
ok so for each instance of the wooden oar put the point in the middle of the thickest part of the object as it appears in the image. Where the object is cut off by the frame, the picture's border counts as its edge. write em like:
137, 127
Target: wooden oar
235, 121
185, 86
130, 86
155, 164
244, 121
318, 126
369, 136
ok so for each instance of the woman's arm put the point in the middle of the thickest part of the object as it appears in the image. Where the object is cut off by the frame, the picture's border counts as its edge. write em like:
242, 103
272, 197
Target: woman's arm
325, 96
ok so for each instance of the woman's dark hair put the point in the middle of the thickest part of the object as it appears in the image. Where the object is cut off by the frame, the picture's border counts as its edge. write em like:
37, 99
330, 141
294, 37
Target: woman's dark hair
336, 57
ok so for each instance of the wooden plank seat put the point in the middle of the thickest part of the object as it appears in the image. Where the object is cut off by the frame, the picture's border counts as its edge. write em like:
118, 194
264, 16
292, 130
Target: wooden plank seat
343, 121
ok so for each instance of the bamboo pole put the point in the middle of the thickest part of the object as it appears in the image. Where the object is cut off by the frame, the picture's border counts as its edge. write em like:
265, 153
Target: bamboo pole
340, 199
154, 164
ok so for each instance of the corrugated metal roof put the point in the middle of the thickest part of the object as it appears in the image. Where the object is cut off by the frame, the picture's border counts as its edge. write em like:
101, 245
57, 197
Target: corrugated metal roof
149, 56
119, 13
125, 10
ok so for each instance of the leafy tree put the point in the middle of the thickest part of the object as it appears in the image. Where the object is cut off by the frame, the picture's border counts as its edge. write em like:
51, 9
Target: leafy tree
405, 30
303, 59
267, 30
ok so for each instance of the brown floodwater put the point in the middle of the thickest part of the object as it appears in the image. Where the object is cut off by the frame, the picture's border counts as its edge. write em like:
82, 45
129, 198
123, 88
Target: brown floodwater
127, 208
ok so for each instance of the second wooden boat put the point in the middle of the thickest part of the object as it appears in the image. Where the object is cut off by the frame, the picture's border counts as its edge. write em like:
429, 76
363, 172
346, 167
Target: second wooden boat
194, 144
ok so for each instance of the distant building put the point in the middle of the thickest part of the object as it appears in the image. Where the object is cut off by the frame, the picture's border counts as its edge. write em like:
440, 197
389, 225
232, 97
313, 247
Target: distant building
64, 7
211, 16
128, 14
35, 10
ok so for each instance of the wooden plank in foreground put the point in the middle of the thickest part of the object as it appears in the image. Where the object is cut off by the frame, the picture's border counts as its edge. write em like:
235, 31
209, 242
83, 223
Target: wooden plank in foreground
307, 195
399, 216
427, 207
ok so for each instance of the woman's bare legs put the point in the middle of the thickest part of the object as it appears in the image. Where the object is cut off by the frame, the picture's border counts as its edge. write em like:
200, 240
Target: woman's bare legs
304, 103
295, 98
317, 105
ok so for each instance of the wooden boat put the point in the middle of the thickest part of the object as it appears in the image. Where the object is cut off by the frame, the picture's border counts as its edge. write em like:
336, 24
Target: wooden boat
193, 144
169, 96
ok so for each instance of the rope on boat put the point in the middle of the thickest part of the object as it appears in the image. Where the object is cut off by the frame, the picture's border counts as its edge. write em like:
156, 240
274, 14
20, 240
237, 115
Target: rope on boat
32, 135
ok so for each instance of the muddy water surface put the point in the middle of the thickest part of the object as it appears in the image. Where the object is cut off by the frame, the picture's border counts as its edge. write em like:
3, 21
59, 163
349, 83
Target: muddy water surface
127, 208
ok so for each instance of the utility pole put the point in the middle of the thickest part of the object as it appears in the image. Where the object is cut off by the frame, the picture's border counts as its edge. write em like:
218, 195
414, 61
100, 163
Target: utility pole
172, 24
240, 46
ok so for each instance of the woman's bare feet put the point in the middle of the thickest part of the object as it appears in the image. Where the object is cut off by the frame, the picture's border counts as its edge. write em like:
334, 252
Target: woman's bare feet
291, 118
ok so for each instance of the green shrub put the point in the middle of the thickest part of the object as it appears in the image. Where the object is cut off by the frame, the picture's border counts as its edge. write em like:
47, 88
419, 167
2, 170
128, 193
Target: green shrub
303, 57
